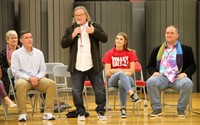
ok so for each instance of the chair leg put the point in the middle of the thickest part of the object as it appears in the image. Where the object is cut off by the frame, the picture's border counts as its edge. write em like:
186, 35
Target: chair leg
115, 100
162, 98
86, 98
58, 104
145, 95
190, 105
5, 110
34, 104
108, 107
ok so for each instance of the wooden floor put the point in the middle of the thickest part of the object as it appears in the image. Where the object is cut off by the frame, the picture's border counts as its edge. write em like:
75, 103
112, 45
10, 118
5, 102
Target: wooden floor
168, 118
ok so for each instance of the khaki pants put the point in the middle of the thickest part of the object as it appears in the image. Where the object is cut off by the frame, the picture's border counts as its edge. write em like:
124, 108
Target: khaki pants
45, 85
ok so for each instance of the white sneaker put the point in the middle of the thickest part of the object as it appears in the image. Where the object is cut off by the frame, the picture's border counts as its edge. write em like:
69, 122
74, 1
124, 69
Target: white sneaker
135, 98
22, 118
81, 117
48, 116
123, 113
101, 116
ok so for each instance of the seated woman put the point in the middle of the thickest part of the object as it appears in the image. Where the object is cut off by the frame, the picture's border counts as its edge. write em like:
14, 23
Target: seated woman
5, 56
3, 94
119, 67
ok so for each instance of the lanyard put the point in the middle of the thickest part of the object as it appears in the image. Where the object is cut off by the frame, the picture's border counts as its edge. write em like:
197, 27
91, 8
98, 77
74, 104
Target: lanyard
81, 44
168, 53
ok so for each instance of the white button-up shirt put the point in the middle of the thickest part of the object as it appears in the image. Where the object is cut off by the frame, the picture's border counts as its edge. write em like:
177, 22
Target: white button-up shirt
84, 57
25, 64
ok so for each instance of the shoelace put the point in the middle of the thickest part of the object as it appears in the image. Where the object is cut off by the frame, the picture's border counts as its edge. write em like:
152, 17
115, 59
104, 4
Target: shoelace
123, 111
135, 96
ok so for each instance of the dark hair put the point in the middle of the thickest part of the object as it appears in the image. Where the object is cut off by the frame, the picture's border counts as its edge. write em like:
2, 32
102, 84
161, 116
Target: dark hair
173, 27
23, 32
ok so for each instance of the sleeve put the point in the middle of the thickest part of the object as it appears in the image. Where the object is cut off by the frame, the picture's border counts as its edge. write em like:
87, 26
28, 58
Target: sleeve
67, 40
151, 66
99, 34
133, 56
42, 70
189, 65
3, 62
107, 58
0, 73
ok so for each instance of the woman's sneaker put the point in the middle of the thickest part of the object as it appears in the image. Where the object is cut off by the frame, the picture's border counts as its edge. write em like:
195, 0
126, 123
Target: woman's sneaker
123, 113
135, 98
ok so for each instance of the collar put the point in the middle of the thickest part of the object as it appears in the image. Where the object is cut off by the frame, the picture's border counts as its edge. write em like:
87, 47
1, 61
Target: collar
24, 49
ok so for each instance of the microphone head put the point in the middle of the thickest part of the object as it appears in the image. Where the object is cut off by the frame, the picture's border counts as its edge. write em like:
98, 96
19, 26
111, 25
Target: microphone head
91, 23
78, 23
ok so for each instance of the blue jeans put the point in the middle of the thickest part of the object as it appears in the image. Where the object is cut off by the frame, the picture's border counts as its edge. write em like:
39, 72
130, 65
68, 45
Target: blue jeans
124, 83
155, 84
96, 78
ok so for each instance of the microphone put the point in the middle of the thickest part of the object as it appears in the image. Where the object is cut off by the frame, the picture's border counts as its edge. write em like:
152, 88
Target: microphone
91, 23
78, 24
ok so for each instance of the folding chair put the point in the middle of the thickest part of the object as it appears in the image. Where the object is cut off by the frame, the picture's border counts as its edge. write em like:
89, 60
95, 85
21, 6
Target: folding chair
172, 92
49, 74
88, 85
4, 108
61, 74
140, 83
115, 90
29, 92
139, 79
50, 66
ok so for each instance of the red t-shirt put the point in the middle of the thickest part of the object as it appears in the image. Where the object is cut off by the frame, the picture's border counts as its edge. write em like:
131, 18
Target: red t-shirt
119, 59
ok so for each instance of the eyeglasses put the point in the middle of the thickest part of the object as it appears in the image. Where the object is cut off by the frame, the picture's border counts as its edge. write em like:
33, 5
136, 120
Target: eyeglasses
81, 15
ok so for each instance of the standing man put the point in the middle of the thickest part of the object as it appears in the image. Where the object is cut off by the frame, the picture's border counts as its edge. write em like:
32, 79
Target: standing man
171, 66
84, 37
28, 67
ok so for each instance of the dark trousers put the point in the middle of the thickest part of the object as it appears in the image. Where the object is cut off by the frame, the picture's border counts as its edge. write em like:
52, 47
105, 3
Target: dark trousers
96, 79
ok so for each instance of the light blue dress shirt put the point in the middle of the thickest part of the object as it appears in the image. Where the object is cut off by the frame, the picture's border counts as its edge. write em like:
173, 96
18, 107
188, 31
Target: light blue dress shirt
25, 64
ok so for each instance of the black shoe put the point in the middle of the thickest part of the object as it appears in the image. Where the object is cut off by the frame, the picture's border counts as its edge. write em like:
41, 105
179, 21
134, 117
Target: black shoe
135, 98
181, 113
101, 115
81, 116
156, 113
123, 113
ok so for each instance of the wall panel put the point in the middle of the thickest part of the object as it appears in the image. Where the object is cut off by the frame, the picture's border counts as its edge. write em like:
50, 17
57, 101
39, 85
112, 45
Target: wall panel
6, 20
47, 20
198, 46
138, 31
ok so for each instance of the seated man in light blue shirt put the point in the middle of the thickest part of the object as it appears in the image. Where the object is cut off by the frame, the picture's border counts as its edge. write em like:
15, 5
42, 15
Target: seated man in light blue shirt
28, 67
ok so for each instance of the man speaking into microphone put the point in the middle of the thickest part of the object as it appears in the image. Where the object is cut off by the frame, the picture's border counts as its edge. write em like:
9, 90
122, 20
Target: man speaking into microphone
84, 37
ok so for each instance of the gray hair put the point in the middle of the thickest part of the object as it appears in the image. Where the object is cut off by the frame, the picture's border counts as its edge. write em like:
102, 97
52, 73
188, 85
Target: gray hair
10, 33
85, 12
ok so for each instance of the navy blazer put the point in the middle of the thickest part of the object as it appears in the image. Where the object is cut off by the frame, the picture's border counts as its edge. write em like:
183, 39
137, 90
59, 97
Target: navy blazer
189, 66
